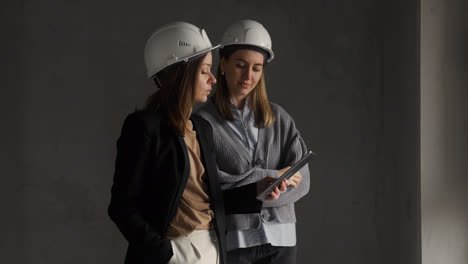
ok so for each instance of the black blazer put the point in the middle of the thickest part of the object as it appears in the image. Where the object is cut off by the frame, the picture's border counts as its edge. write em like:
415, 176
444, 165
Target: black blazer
151, 172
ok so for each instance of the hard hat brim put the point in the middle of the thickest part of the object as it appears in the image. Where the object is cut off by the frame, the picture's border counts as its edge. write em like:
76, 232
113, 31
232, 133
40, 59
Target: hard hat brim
269, 51
186, 59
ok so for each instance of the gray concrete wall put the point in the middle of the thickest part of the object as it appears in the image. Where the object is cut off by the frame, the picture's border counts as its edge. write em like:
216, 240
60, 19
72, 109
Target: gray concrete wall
345, 70
444, 130
398, 152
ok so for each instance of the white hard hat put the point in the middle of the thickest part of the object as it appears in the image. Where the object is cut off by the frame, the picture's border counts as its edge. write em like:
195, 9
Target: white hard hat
248, 32
172, 43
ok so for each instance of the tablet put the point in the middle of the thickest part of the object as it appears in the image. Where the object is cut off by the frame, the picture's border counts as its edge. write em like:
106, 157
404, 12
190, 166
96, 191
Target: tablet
288, 174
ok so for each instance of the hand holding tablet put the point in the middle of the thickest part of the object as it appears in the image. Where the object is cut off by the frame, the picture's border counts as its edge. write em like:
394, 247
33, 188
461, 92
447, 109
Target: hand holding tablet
288, 174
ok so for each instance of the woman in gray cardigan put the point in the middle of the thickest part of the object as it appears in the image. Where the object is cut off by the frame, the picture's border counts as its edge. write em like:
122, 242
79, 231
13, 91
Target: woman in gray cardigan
254, 138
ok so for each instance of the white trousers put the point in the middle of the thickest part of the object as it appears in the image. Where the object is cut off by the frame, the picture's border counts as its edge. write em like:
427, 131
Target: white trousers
199, 247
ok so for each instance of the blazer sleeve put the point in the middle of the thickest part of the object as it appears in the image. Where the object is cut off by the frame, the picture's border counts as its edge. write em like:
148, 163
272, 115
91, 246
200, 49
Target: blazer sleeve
242, 200
133, 148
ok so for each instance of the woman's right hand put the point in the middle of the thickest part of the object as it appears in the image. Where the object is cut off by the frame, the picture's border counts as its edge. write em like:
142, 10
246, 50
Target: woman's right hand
275, 194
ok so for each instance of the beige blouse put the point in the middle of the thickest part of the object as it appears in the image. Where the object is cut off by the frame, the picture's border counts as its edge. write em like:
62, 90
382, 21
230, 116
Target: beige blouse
194, 209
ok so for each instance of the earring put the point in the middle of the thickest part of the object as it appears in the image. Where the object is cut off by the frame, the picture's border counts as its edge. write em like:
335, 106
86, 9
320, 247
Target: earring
222, 73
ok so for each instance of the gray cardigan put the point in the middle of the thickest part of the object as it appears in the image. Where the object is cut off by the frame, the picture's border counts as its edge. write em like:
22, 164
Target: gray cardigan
278, 146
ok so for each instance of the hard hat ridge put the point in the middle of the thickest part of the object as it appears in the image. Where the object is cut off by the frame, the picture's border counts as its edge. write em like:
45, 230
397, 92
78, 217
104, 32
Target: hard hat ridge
172, 43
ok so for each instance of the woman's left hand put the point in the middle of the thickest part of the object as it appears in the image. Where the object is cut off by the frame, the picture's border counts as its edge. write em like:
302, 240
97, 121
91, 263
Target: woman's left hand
295, 180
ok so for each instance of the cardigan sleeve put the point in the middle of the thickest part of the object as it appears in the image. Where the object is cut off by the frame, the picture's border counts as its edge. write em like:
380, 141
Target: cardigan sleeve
293, 149
132, 152
290, 148
229, 181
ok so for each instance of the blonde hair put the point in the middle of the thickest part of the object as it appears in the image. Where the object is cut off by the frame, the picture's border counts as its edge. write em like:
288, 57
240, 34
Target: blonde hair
258, 99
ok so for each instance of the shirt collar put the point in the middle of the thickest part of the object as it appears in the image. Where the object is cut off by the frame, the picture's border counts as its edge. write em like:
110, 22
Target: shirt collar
246, 106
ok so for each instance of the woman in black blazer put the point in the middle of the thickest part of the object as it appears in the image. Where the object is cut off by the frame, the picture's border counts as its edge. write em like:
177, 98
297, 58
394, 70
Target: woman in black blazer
158, 172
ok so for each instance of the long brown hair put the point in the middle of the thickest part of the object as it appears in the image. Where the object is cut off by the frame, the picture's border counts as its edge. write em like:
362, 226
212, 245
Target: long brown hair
177, 92
258, 99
